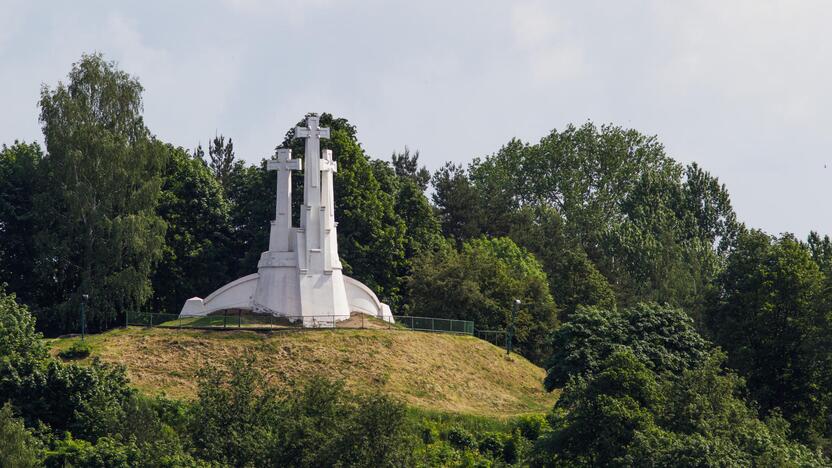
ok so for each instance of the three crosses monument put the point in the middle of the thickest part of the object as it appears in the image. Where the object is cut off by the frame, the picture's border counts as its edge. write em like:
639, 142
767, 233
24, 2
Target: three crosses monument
299, 277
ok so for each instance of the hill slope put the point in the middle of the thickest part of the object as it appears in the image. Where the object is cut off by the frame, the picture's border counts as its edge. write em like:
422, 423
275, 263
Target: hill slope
436, 372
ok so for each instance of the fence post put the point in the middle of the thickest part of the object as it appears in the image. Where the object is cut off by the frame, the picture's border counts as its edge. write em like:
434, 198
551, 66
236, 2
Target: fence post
151, 320
224, 318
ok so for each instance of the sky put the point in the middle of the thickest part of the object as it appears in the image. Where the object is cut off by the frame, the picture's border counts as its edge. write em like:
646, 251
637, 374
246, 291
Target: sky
744, 87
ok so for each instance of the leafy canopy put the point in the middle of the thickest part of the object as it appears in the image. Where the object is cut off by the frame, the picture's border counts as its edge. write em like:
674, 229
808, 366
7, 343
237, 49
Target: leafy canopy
661, 337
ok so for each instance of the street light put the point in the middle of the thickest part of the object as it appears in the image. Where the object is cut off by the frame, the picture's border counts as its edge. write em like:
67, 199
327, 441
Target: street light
84, 298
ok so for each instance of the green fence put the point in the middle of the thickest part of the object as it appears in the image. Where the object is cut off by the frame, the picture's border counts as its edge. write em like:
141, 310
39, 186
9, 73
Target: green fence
464, 327
247, 320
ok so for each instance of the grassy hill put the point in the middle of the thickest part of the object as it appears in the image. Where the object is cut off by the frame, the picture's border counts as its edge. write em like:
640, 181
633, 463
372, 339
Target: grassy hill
434, 372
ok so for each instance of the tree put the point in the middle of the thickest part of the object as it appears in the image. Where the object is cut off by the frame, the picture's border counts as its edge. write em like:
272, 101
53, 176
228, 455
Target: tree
422, 230
18, 186
18, 447
573, 278
480, 282
644, 222
406, 166
197, 254
662, 338
628, 415
251, 196
21, 347
768, 313
230, 419
221, 156
457, 202
99, 233
239, 420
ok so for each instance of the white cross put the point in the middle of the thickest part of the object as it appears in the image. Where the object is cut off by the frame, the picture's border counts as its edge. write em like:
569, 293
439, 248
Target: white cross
284, 165
312, 130
327, 164
312, 153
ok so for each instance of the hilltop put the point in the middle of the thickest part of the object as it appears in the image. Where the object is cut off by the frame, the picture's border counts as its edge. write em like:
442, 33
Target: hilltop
429, 371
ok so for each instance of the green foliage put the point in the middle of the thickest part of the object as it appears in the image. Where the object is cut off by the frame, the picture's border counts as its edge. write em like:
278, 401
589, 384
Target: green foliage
627, 415
78, 350
461, 439
229, 421
18, 185
251, 191
18, 447
480, 282
458, 440
221, 159
197, 255
531, 426
406, 166
98, 232
625, 212
573, 278
20, 345
457, 203
105, 453
661, 337
769, 313
238, 420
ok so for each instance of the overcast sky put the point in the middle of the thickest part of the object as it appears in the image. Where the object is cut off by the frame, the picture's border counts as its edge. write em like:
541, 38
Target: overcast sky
742, 87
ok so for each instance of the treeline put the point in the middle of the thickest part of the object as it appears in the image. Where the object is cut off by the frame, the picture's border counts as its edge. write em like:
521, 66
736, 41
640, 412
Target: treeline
589, 222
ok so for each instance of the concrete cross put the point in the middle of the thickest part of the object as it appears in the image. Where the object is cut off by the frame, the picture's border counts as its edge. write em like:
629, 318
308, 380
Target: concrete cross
327, 164
312, 130
312, 176
284, 165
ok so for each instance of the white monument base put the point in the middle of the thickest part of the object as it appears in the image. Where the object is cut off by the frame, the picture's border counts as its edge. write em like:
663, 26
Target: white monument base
239, 295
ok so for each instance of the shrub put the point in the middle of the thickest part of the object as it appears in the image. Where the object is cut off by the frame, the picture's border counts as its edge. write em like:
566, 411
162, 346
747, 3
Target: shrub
491, 444
461, 439
78, 350
531, 426
18, 447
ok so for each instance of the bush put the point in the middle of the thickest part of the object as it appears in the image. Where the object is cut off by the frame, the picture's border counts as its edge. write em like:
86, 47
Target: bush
531, 426
18, 447
491, 444
78, 350
461, 439
239, 420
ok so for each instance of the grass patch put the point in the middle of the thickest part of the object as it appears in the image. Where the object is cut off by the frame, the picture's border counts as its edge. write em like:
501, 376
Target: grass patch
430, 372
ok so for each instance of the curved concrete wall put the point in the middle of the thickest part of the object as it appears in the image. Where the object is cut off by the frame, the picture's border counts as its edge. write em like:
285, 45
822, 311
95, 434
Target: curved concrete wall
234, 295
363, 299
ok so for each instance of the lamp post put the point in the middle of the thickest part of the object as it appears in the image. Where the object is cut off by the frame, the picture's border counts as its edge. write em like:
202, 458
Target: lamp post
84, 298
510, 332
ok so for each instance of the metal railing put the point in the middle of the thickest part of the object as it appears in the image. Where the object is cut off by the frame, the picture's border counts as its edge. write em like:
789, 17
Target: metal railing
265, 322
